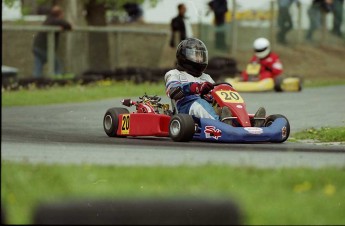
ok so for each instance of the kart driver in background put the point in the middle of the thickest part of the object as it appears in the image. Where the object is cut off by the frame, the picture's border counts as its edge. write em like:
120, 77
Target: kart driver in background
271, 67
188, 83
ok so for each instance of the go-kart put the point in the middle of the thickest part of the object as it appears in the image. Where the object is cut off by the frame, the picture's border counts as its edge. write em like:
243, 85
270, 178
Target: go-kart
153, 118
282, 83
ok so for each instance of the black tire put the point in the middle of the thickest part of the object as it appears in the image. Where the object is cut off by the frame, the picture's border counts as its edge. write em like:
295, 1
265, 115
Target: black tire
111, 120
277, 83
271, 118
181, 128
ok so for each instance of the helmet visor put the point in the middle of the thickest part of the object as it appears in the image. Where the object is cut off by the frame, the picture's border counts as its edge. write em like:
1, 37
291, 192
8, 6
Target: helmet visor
262, 53
260, 50
197, 56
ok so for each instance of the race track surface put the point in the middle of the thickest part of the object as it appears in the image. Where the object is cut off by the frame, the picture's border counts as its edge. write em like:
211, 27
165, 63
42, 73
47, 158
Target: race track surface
73, 133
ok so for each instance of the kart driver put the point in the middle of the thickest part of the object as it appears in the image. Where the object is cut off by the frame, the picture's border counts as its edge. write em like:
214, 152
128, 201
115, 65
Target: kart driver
270, 65
187, 83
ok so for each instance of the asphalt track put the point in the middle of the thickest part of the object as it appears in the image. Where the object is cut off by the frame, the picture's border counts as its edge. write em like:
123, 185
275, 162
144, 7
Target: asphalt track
73, 133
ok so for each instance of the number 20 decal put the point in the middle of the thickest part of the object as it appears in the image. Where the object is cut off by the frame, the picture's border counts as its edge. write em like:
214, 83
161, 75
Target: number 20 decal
125, 124
230, 96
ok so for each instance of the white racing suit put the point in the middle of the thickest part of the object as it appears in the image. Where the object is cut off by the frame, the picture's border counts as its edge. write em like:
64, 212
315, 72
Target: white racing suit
187, 102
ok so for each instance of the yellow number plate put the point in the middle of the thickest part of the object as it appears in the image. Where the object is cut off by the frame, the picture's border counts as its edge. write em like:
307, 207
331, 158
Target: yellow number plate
125, 124
253, 69
230, 96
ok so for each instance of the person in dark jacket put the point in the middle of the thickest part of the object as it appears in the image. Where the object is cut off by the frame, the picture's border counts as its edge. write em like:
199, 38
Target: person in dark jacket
338, 10
54, 18
219, 7
134, 11
315, 12
180, 25
284, 19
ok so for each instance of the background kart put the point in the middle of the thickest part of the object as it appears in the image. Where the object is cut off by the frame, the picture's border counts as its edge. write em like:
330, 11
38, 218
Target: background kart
152, 118
282, 83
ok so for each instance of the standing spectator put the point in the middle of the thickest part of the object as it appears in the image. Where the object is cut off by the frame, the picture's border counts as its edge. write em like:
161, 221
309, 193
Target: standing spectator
180, 24
54, 18
219, 7
315, 12
134, 11
284, 19
338, 17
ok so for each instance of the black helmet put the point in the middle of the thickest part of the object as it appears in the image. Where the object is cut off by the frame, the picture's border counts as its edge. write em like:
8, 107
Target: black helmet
192, 56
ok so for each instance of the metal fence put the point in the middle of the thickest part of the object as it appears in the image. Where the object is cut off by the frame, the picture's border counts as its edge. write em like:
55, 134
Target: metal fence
17, 44
140, 46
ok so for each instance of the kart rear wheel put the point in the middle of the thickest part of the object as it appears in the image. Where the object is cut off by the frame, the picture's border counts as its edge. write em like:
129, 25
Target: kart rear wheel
277, 84
300, 84
286, 129
181, 127
111, 120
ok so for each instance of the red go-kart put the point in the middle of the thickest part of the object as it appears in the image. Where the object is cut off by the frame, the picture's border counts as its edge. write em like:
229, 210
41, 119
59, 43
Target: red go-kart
153, 118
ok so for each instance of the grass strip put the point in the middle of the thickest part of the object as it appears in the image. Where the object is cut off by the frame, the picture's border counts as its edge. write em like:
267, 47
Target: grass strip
313, 83
266, 196
324, 134
99, 90
77, 93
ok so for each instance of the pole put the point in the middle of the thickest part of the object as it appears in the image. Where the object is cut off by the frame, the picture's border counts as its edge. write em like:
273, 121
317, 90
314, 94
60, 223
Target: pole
299, 23
272, 22
113, 46
200, 25
118, 49
234, 30
50, 52
324, 28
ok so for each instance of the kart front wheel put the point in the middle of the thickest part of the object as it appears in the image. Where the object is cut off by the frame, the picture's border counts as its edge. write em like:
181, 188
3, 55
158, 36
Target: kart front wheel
181, 128
111, 120
285, 130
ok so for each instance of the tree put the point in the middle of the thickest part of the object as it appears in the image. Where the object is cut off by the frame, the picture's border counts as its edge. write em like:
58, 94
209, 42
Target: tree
98, 42
98, 45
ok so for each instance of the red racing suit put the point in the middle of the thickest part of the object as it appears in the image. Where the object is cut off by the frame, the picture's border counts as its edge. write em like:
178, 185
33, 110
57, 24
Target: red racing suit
271, 67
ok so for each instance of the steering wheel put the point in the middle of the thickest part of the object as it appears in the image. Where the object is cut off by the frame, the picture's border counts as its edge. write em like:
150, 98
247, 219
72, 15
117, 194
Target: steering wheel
221, 83
204, 96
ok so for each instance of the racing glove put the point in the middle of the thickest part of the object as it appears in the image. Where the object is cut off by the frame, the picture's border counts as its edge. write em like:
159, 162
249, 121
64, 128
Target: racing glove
208, 97
201, 88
